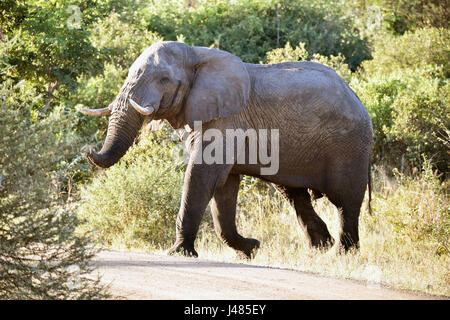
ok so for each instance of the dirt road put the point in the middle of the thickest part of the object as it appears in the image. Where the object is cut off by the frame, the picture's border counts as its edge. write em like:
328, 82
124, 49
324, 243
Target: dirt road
147, 276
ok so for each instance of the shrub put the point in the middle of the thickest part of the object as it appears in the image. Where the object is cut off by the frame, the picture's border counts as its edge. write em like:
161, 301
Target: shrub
425, 48
418, 209
407, 15
135, 202
95, 92
410, 118
222, 24
42, 47
287, 53
121, 42
41, 256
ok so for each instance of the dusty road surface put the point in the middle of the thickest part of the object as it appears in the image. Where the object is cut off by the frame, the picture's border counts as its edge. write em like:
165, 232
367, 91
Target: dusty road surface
146, 276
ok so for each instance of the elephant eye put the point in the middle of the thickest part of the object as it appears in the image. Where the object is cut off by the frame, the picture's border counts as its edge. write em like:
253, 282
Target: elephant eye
164, 80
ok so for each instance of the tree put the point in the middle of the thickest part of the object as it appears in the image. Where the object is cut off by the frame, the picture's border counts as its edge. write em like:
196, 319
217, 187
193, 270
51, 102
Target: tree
46, 43
41, 254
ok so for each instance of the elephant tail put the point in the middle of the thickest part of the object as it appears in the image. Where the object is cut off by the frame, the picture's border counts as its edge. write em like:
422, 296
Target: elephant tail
369, 184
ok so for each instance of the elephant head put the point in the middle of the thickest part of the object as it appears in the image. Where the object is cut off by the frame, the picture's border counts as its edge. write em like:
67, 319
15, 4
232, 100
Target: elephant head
176, 82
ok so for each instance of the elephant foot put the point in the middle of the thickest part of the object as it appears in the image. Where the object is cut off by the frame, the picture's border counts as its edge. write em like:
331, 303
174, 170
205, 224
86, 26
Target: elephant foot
322, 242
349, 242
183, 248
249, 248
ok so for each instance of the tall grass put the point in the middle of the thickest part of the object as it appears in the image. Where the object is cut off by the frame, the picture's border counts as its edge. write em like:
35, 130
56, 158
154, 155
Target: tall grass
134, 204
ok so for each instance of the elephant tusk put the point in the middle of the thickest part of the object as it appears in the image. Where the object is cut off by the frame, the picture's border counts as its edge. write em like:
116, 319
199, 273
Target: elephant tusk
145, 111
95, 112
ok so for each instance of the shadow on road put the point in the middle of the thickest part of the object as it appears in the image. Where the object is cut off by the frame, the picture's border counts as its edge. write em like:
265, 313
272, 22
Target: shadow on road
192, 263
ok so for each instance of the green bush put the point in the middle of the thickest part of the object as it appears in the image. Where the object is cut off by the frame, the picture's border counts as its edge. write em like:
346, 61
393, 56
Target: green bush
400, 16
135, 202
425, 48
96, 92
121, 42
287, 53
300, 53
410, 118
416, 208
41, 255
250, 28
40, 45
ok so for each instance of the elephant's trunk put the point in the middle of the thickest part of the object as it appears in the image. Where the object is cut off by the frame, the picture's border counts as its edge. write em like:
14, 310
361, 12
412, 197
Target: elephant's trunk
123, 129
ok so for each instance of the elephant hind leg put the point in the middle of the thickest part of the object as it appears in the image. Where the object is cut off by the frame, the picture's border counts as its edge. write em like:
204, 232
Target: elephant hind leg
223, 209
346, 192
311, 223
349, 209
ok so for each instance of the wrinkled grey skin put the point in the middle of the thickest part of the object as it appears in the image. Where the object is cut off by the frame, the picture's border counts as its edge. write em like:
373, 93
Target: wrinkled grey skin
325, 135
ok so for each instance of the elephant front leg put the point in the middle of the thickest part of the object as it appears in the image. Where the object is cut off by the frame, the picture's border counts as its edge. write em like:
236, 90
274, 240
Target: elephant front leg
199, 185
224, 217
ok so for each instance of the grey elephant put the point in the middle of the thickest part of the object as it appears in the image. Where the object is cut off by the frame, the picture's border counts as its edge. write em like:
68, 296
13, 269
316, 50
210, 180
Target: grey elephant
324, 136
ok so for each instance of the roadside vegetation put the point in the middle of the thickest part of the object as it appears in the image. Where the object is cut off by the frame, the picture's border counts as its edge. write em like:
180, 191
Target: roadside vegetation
56, 55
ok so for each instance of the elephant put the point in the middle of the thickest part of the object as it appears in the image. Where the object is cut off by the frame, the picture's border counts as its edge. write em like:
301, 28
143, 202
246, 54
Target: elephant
324, 136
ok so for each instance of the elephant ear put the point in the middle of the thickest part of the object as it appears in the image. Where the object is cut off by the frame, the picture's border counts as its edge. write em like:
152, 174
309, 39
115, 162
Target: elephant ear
221, 86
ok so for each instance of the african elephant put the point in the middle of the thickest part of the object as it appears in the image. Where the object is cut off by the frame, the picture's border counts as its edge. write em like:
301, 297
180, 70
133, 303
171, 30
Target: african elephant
324, 135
